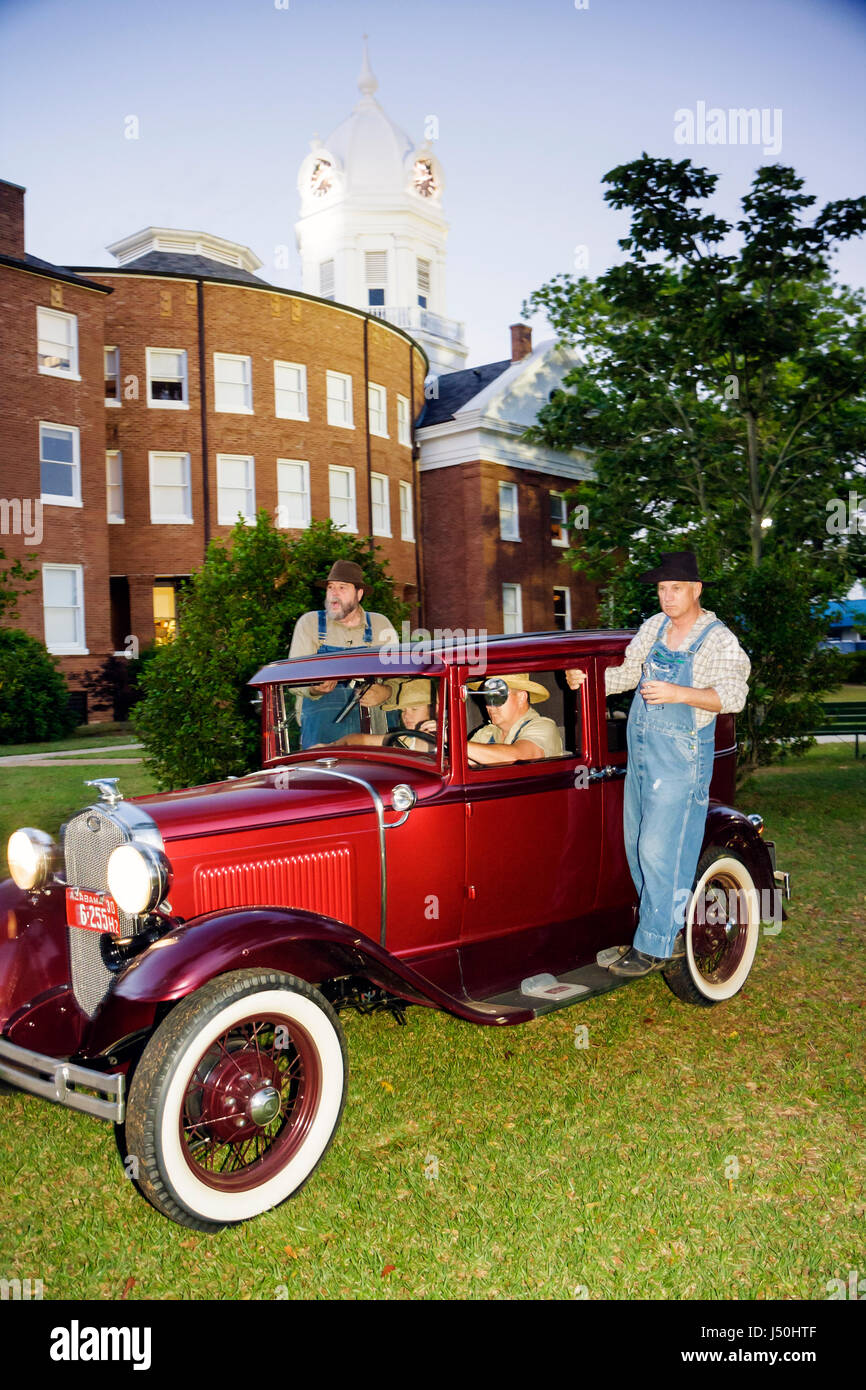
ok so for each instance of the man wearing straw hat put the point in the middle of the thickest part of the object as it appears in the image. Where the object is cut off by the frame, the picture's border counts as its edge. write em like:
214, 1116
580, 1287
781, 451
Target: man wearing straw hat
516, 733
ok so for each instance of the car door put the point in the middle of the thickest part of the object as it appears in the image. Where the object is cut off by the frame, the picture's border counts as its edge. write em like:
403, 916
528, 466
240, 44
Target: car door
533, 842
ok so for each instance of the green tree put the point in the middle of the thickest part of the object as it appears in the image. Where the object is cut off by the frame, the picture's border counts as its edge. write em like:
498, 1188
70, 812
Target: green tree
11, 580
720, 397
34, 698
196, 717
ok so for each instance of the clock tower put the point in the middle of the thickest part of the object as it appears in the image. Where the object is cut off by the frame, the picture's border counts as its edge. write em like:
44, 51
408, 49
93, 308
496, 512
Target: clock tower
371, 230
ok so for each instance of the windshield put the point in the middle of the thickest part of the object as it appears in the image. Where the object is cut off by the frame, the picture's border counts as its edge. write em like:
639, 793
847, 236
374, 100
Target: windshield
402, 714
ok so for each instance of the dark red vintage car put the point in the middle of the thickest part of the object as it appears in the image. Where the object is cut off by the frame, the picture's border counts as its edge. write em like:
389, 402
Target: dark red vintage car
178, 963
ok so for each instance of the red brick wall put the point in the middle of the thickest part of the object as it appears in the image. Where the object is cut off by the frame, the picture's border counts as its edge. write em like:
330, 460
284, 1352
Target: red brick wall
71, 535
152, 312
466, 562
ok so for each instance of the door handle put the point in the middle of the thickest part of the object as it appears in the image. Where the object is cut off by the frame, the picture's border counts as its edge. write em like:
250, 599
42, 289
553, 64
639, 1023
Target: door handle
606, 774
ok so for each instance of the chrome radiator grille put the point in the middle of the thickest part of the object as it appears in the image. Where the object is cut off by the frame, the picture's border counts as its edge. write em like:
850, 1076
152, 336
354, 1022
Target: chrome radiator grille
88, 842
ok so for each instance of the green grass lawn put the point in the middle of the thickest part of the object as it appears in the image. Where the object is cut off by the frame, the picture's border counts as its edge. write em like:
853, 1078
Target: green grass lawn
684, 1153
85, 736
847, 693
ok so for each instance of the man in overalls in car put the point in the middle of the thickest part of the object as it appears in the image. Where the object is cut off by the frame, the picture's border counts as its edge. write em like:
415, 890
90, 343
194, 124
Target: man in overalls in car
688, 667
342, 624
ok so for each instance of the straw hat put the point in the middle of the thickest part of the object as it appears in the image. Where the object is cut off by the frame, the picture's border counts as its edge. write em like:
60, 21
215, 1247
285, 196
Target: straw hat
413, 693
536, 692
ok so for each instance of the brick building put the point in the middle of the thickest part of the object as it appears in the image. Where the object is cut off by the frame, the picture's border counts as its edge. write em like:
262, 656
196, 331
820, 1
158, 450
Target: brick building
494, 523
52, 454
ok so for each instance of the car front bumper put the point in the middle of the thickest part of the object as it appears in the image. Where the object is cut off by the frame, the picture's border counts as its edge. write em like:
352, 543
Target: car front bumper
66, 1083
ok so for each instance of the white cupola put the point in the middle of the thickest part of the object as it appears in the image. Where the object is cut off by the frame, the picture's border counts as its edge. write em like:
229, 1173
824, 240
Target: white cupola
371, 231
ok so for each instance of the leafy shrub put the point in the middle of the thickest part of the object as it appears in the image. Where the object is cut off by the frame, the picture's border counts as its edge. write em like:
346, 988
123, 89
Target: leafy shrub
34, 697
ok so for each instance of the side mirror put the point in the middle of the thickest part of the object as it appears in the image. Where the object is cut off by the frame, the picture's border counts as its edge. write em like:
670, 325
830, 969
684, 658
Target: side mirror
493, 691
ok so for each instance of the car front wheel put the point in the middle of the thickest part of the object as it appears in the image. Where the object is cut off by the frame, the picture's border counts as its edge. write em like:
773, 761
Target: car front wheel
236, 1098
721, 932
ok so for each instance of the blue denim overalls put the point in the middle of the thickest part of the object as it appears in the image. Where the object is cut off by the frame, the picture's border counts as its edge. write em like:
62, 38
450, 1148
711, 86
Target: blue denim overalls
667, 789
317, 716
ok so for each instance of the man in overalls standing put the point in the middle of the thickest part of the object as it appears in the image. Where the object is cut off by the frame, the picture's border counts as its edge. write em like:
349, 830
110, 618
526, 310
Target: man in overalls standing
341, 624
688, 667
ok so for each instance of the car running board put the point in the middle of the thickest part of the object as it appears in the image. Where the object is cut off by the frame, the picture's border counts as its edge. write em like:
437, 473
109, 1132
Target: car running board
542, 994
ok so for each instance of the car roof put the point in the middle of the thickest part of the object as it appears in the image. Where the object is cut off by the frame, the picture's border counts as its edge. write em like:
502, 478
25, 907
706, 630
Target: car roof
454, 648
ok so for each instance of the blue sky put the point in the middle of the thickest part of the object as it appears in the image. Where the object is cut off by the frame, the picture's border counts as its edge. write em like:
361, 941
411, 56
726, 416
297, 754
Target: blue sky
535, 102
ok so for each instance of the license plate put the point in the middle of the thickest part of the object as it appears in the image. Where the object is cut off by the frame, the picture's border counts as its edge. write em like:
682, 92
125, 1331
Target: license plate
95, 911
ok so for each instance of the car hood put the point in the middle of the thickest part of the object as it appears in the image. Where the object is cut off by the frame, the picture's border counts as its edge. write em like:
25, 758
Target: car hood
293, 792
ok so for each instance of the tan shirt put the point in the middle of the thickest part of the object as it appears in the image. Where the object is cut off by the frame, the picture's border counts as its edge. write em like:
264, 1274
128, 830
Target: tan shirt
721, 664
533, 726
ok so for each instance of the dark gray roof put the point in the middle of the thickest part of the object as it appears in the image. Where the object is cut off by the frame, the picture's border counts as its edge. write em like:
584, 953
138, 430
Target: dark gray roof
57, 272
456, 388
179, 263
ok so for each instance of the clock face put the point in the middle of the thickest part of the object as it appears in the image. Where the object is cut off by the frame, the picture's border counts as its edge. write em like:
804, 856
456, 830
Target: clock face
322, 177
423, 178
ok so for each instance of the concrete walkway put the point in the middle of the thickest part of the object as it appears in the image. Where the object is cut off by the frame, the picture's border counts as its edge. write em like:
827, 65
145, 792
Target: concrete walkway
73, 757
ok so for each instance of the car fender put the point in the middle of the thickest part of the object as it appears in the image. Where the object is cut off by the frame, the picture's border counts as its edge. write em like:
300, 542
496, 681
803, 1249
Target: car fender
729, 829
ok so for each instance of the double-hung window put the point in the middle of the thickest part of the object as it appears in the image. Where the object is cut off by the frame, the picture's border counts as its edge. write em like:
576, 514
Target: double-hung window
378, 398
381, 499
407, 524
293, 493
63, 609
341, 484
509, 529
404, 429
170, 492
59, 464
233, 383
57, 343
290, 391
512, 608
236, 488
114, 485
167, 387
340, 400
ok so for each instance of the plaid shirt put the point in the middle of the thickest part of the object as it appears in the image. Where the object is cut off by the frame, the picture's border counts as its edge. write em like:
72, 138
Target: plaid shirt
721, 663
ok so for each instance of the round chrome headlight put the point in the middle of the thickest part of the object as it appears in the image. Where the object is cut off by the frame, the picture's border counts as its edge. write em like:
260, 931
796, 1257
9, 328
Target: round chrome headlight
32, 857
137, 878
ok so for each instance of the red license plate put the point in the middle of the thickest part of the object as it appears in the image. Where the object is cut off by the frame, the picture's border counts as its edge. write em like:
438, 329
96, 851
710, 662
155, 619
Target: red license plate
95, 911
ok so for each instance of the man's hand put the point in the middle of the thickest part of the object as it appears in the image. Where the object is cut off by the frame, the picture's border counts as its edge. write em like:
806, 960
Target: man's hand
376, 695
575, 679
662, 692
324, 687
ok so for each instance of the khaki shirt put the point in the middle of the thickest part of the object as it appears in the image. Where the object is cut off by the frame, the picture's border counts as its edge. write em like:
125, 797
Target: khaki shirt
535, 727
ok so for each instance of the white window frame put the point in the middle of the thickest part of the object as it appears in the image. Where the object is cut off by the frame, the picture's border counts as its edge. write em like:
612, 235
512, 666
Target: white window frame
50, 499
306, 506
351, 499
115, 518
249, 516
382, 504
518, 608
407, 513
183, 403
509, 516
112, 402
404, 421
79, 646
247, 384
177, 519
327, 272
564, 589
345, 403
563, 541
379, 411
43, 313
423, 281
301, 413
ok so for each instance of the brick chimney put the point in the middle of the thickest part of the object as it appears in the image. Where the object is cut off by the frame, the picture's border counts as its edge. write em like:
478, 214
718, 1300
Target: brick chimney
11, 219
521, 341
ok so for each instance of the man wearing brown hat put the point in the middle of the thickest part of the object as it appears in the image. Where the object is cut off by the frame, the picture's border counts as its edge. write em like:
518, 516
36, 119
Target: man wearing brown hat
688, 667
341, 624
515, 732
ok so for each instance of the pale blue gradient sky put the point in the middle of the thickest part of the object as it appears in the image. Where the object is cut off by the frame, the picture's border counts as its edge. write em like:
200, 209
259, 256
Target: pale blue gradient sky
535, 102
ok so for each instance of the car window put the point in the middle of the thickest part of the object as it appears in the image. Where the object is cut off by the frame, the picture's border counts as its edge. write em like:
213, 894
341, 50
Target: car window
562, 708
369, 725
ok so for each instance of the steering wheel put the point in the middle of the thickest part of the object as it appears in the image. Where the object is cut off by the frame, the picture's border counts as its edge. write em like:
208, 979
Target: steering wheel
394, 736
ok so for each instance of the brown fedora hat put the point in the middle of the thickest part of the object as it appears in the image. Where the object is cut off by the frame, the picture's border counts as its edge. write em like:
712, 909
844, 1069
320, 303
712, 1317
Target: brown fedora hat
346, 572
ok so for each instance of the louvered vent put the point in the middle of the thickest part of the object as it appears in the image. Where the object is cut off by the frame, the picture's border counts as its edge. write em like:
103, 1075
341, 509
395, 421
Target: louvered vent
320, 882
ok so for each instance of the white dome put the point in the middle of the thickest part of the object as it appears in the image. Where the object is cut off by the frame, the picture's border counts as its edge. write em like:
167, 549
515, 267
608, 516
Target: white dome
371, 149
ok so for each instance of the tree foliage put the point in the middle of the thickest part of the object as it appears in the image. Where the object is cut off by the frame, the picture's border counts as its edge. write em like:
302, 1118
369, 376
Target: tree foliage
720, 396
197, 716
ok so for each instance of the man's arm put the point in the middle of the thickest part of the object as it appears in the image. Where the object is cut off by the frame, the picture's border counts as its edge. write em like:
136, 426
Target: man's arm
523, 751
626, 675
305, 642
725, 667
